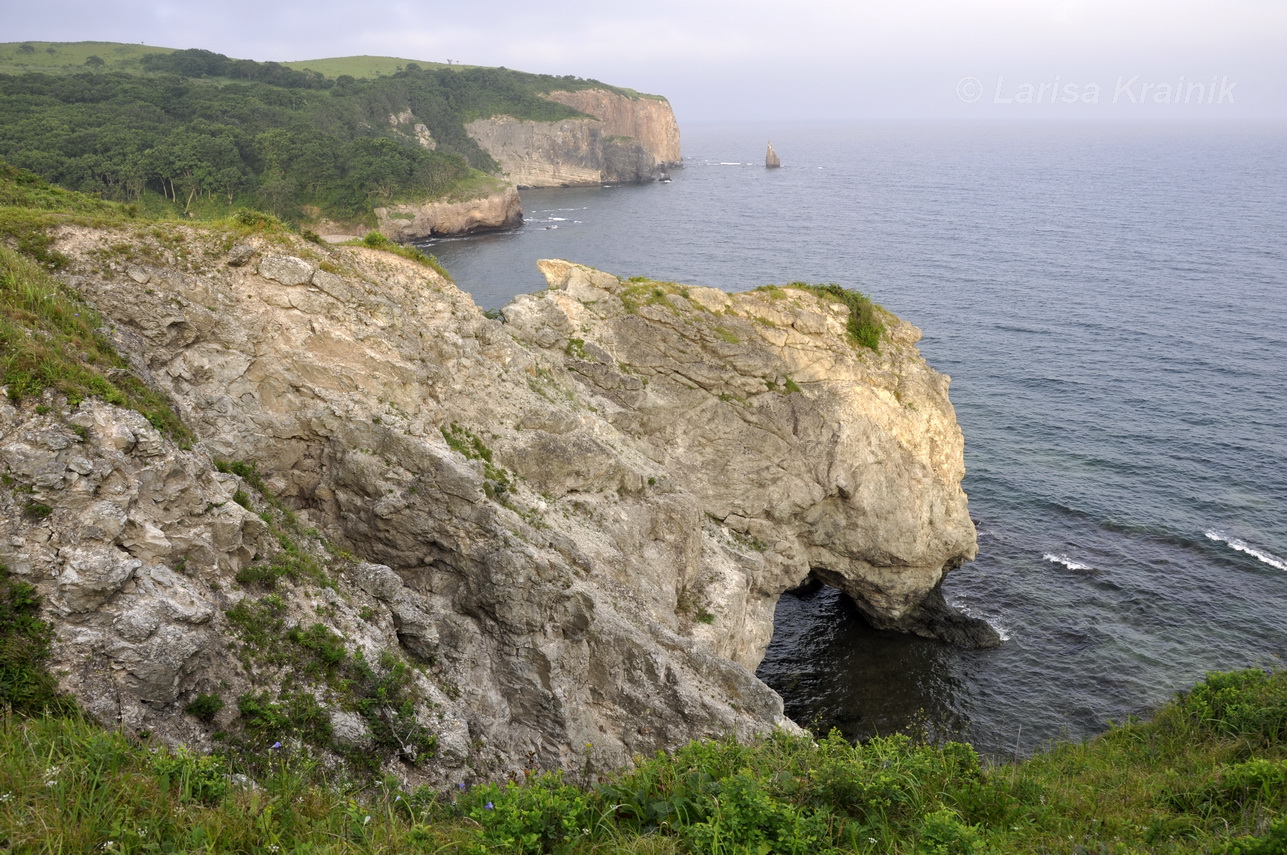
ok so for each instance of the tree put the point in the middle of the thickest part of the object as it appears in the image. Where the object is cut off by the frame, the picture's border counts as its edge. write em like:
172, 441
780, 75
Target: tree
94, 61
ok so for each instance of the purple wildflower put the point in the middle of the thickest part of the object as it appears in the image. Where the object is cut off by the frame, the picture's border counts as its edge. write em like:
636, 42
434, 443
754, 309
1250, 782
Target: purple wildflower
489, 806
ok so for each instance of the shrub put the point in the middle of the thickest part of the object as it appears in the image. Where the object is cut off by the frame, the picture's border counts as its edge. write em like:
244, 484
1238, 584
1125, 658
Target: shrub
1240, 704
542, 814
205, 707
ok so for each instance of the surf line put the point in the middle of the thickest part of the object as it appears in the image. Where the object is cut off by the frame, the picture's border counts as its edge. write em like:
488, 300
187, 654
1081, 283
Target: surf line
1242, 546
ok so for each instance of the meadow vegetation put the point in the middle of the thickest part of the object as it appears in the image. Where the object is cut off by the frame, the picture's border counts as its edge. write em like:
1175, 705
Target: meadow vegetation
1208, 773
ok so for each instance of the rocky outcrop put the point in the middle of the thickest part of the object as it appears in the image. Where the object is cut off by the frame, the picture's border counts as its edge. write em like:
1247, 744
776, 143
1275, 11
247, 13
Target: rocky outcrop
645, 118
575, 523
624, 140
411, 222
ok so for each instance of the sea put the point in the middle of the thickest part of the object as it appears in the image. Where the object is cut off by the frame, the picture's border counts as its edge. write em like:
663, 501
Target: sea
1110, 301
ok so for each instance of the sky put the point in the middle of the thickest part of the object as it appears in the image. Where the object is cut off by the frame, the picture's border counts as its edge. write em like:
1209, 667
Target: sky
1098, 60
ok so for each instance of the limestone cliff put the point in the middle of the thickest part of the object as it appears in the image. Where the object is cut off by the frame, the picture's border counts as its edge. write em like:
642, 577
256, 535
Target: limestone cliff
649, 120
411, 222
574, 524
623, 140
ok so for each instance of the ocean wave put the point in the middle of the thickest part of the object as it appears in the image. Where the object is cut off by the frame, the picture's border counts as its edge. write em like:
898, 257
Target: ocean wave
1067, 562
1242, 546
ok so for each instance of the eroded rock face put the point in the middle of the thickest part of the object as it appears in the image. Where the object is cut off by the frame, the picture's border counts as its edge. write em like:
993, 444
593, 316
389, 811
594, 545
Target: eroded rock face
832, 459
404, 223
627, 140
578, 522
647, 119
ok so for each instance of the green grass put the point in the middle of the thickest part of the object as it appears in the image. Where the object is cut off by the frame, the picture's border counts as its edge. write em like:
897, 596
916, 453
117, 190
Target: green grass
71, 56
364, 66
25, 683
865, 326
51, 339
1205, 775
467, 443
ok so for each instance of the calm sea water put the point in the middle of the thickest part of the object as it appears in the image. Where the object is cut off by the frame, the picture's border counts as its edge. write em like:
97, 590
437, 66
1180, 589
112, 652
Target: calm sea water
1111, 303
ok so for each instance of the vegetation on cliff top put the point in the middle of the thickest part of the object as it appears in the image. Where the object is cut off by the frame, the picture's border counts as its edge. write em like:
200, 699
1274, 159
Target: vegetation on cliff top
49, 337
200, 133
865, 326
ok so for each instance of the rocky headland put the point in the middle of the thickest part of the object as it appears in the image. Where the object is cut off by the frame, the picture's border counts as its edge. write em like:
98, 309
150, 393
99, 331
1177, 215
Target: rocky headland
459, 546
622, 140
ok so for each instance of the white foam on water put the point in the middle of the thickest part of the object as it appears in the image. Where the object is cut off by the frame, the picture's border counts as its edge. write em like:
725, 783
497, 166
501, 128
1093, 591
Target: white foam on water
1242, 546
1066, 561
966, 610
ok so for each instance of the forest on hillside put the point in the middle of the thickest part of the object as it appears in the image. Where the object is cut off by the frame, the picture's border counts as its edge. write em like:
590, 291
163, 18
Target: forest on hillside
203, 132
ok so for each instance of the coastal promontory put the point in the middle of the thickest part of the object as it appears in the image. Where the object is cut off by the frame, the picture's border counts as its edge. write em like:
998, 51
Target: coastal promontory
395, 529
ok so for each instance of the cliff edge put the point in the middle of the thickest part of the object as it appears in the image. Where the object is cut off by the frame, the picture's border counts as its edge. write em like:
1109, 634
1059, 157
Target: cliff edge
456, 547
623, 139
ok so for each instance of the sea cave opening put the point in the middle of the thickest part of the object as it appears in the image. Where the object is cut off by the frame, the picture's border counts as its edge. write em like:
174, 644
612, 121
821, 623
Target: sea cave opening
834, 670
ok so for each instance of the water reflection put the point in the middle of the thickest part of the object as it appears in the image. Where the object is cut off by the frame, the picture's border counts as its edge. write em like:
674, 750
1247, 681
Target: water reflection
835, 671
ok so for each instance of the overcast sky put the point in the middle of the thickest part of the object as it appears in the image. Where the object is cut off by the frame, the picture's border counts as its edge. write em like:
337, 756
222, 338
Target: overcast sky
759, 60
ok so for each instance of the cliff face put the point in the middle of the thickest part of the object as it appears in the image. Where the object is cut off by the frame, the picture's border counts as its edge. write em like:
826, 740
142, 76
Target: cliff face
575, 524
628, 140
403, 223
650, 121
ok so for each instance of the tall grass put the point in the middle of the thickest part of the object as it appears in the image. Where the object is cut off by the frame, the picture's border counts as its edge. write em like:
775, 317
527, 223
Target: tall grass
1204, 775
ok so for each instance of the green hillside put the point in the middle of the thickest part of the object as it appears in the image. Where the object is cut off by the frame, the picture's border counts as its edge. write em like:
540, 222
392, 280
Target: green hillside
199, 133
19, 57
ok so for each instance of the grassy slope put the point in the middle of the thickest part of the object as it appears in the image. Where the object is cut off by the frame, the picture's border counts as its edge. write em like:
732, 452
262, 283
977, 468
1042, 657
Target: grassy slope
71, 56
49, 338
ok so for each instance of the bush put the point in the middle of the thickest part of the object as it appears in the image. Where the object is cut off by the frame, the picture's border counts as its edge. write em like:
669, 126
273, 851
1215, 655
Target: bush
542, 814
205, 707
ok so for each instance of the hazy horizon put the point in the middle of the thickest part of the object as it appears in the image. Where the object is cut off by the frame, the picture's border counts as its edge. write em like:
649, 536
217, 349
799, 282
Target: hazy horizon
716, 60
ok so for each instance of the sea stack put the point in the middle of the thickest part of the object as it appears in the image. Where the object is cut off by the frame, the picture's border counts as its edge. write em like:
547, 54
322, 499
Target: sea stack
771, 159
